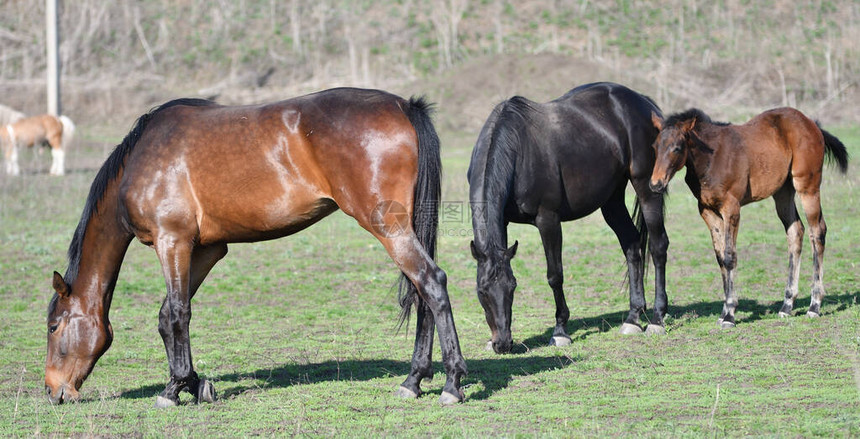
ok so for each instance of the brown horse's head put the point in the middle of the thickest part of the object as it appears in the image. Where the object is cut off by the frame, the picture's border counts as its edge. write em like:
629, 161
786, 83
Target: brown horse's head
671, 147
78, 334
496, 284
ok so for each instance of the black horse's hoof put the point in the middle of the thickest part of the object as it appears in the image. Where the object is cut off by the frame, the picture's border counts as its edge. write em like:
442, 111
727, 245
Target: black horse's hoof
449, 399
726, 324
162, 402
559, 340
654, 329
205, 392
405, 393
630, 328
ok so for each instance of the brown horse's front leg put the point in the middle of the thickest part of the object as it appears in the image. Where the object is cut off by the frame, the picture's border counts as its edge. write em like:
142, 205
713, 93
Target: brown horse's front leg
723, 228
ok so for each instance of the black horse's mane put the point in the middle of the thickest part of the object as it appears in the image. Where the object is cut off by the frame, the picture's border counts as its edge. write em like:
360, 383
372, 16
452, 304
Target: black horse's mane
509, 133
109, 170
692, 113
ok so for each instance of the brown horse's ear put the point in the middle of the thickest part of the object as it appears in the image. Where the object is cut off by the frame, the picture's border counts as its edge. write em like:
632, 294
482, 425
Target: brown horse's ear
688, 125
657, 121
60, 286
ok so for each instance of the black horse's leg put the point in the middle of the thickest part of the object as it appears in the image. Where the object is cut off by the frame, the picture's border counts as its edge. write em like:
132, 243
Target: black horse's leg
787, 212
431, 283
549, 225
658, 245
421, 357
616, 215
202, 261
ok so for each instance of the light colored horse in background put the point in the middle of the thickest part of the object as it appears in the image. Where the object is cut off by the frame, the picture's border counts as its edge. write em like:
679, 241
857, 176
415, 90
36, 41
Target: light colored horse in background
35, 130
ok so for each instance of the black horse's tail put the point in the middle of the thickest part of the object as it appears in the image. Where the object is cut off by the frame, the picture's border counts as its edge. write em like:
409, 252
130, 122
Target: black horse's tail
835, 150
428, 190
642, 228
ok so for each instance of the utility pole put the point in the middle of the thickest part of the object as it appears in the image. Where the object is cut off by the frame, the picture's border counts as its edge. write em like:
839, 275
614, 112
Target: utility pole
52, 41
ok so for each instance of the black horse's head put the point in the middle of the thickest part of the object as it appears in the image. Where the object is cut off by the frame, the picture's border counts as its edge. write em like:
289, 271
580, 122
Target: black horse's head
496, 284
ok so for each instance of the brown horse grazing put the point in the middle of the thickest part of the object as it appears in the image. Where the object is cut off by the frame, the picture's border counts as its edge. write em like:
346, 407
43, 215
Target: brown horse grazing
57, 132
777, 153
193, 176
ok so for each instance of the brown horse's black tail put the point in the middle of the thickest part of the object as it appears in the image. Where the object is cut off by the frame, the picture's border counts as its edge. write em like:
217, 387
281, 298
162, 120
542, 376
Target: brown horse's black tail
835, 150
428, 189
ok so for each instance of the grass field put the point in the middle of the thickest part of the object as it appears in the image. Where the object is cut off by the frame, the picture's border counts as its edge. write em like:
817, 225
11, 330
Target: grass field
298, 334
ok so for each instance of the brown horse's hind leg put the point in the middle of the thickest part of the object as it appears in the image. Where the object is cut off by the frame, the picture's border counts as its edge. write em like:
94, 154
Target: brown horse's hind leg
787, 212
58, 155
817, 231
431, 283
183, 280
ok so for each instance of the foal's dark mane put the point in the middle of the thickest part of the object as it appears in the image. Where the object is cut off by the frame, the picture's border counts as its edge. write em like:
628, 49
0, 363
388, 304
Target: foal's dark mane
692, 113
509, 134
109, 170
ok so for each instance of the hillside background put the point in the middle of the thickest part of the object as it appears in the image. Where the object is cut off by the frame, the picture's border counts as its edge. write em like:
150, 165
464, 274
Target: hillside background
732, 58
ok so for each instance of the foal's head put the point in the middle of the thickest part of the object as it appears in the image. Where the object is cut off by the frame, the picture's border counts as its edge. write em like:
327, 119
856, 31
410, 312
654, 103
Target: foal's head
496, 284
78, 335
671, 146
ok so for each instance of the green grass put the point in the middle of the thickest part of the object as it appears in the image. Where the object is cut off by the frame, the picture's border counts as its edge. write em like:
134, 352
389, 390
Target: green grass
298, 334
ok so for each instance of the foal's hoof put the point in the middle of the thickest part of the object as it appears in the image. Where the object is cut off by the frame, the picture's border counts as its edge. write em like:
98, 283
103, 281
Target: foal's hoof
162, 402
726, 325
655, 330
489, 346
783, 315
559, 340
405, 393
630, 328
449, 399
812, 314
205, 392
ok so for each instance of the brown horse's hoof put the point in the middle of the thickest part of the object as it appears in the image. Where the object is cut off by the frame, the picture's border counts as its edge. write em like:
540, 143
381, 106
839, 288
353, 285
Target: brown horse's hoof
405, 393
449, 399
812, 314
655, 330
559, 340
162, 402
630, 329
205, 392
783, 315
726, 325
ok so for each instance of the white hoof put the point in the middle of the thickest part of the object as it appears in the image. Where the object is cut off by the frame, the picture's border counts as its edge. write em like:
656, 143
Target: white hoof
629, 329
449, 399
783, 315
559, 340
726, 325
655, 330
812, 314
489, 346
405, 393
205, 392
162, 402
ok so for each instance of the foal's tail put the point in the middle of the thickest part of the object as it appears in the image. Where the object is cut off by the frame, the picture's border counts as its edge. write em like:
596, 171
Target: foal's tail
428, 189
835, 150
68, 132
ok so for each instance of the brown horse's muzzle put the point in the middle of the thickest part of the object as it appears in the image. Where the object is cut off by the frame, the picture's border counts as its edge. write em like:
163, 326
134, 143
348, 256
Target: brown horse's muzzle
658, 186
59, 390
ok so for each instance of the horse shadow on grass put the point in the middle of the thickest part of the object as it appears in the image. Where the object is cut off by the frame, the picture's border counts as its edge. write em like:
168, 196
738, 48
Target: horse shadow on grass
585, 327
492, 375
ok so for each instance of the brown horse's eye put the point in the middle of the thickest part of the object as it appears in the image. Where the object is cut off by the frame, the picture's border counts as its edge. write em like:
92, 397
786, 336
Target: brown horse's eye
52, 329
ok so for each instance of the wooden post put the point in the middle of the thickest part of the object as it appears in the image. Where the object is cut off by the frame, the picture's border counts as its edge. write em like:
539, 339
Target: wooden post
52, 43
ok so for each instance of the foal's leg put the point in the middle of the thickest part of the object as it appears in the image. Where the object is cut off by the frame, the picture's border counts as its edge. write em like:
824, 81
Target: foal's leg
817, 231
202, 259
549, 226
431, 283
616, 215
658, 245
724, 229
787, 211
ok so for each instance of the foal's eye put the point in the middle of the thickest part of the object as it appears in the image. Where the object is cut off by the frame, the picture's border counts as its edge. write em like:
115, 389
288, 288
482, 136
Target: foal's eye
52, 329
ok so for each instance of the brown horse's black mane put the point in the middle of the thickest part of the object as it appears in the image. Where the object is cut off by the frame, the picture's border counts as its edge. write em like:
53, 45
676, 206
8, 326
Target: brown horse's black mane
692, 113
108, 172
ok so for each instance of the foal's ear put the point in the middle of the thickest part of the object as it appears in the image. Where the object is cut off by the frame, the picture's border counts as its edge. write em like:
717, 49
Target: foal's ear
657, 121
511, 251
688, 125
60, 286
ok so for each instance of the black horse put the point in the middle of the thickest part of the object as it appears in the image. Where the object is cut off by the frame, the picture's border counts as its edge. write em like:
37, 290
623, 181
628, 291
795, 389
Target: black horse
542, 164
